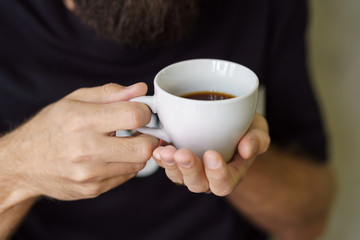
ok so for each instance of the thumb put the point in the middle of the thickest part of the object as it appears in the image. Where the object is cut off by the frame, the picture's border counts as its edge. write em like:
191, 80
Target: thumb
108, 93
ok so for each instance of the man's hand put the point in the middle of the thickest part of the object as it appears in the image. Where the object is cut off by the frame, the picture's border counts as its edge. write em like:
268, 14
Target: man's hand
213, 174
68, 150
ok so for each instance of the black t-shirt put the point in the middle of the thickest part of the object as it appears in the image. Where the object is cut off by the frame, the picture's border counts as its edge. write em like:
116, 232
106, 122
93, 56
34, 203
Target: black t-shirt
46, 53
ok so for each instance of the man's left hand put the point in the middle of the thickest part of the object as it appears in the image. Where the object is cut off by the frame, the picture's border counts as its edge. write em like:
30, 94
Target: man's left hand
213, 174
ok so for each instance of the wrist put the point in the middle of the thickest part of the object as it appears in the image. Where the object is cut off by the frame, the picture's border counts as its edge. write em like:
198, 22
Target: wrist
15, 189
14, 197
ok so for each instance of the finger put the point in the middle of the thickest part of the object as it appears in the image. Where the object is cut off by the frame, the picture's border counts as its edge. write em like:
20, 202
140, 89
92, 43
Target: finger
93, 173
256, 140
259, 122
156, 155
108, 93
130, 149
192, 170
107, 118
114, 169
94, 189
223, 178
166, 156
111, 183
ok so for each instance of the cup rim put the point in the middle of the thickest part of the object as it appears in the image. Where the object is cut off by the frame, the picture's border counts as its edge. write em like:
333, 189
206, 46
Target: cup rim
236, 98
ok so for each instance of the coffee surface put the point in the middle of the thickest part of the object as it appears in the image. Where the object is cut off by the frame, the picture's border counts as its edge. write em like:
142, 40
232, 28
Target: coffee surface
208, 95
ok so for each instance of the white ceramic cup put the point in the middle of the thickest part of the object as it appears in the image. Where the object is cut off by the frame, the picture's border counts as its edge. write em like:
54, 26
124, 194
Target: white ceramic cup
201, 125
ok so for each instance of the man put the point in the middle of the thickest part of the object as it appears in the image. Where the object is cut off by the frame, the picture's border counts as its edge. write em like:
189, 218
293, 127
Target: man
51, 50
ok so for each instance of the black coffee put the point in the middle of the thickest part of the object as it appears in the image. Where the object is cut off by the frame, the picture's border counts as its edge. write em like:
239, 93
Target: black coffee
208, 95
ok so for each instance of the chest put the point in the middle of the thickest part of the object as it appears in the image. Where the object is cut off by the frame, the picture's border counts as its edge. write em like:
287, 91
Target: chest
45, 56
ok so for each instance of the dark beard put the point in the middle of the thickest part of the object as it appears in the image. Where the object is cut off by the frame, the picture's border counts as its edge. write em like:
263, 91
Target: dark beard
140, 22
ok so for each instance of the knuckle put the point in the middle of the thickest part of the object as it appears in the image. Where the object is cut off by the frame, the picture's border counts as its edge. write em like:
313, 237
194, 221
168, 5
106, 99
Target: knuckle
146, 149
92, 190
138, 117
107, 88
82, 176
80, 149
74, 120
139, 114
79, 154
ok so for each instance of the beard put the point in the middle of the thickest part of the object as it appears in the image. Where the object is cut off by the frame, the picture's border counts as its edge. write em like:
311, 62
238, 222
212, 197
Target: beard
140, 23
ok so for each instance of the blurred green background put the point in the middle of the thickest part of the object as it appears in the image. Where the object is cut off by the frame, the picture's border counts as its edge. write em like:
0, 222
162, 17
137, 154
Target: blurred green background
334, 60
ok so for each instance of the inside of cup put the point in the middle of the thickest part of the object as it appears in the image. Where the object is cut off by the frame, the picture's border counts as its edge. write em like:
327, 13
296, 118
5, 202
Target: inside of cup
207, 75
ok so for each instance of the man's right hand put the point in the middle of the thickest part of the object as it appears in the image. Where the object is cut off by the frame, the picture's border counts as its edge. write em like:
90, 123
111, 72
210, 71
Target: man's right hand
67, 151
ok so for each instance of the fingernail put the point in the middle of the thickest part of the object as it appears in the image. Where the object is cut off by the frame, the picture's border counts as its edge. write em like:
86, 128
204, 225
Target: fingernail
253, 146
211, 162
156, 155
169, 162
185, 164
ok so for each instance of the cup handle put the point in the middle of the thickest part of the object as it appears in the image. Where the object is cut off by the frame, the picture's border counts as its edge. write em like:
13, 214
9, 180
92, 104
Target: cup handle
158, 131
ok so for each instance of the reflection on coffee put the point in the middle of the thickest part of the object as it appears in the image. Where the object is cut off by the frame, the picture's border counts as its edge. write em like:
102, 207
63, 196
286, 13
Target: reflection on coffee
208, 95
